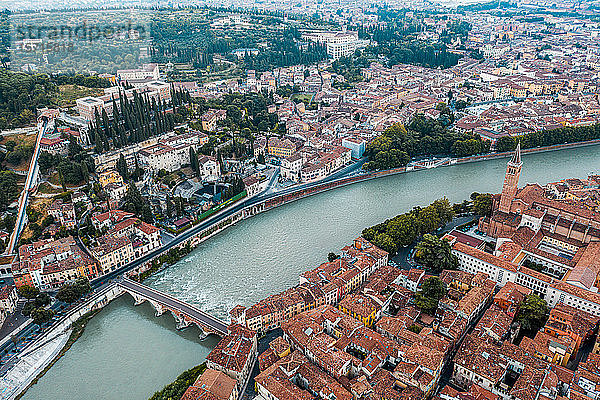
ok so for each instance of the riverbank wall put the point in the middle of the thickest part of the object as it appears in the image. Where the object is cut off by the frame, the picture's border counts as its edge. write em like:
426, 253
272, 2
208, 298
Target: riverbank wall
199, 237
284, 199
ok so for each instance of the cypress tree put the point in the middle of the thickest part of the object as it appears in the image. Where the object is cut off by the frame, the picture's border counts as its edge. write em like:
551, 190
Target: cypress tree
122, 167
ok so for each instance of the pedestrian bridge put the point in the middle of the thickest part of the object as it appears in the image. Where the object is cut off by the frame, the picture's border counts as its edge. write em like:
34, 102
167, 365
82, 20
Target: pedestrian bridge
184, 313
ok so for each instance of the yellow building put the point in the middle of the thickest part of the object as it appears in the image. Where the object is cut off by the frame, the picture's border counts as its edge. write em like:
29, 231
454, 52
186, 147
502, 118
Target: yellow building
280, 347
110, 176
113, 252
518, 91
361, 308
549, 348
281, 148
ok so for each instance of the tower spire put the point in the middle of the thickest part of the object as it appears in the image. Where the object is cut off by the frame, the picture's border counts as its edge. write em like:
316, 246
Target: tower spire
516, 158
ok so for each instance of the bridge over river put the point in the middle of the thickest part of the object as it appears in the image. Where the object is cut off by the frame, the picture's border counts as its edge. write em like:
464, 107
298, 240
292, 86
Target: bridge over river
184, 313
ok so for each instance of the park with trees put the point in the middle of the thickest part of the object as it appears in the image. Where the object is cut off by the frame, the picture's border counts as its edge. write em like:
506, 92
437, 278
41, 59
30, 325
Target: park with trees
21, 94
72, 169
404, 229
133, 121
195, 41
422, 136
567, 134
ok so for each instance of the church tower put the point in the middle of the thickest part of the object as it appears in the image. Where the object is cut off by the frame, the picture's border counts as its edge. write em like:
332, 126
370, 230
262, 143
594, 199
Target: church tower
511, 180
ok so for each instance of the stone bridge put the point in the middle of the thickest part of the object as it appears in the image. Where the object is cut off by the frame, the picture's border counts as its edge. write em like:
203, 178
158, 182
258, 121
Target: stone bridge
184, 313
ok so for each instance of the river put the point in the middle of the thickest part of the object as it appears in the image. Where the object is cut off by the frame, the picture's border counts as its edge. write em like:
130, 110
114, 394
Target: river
126, 352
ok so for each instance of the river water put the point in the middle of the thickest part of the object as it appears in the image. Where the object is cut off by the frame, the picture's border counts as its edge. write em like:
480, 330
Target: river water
127, 353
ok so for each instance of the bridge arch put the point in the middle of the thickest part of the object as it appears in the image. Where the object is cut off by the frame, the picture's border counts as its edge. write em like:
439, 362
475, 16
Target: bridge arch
183, 313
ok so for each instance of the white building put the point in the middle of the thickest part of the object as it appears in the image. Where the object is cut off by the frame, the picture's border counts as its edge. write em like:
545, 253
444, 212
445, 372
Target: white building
147, 72
116, 191
357, 146
8, 299
291, 167
172, 152
209, 167
339, 43
254, 185
501, 271
169, 158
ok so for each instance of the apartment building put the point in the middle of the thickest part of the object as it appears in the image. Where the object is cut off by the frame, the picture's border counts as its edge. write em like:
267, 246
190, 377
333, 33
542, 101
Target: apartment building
210, 119
234, 355
146, 72
125, 242
63, 213
49, 264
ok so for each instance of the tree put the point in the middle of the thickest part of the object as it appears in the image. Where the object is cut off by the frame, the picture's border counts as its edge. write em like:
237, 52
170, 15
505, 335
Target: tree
332, 257
138, 172
194, 162
428, 297
42, 299
482, 204
8, 223
83, 285
460, 104
170, 207
28, 308
41, 315
122, 167
532, 313
61, 179
403, 229
235, 186
435, 254
234, 113
67, 294
9, 190
135, 203
71, 292
28, 292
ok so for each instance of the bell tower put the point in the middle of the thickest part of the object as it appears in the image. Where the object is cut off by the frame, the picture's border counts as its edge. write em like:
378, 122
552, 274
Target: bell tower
511, 180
